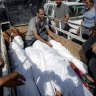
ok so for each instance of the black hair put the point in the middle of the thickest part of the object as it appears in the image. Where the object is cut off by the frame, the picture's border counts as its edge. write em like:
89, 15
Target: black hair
91, 1
38, 8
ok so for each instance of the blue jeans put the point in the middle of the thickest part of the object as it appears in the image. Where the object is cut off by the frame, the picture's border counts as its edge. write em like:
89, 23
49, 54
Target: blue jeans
43, 35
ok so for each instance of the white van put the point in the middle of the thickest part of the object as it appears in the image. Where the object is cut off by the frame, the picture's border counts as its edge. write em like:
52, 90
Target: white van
76, 11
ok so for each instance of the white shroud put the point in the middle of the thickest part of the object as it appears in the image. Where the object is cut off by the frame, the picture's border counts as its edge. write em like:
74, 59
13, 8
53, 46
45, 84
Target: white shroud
62, 76
45, 69
20, 64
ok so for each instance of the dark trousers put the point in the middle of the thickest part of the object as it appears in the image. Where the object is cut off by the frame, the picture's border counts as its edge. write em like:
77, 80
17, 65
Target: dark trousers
85, 36
90, 56
43, 35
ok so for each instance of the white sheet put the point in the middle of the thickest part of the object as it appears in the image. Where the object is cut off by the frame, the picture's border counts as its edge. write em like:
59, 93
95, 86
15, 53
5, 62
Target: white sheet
40, 73
64, 79
45, 69
65, 53
20, 64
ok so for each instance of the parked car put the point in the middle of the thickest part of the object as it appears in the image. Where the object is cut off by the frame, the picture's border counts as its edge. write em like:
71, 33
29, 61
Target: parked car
76, 11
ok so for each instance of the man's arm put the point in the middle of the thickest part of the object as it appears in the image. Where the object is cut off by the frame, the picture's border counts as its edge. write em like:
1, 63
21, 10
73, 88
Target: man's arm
65, 19
39, 38
11, 80
55, 24
78, 31
52, 35
1, 62
55, 21
55, 16
66, 10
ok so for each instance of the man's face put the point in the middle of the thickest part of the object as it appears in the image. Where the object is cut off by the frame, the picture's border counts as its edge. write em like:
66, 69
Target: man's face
41, 14
58, 2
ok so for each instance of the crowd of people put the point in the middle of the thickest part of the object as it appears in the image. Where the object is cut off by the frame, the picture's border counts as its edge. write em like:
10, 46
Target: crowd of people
38, 29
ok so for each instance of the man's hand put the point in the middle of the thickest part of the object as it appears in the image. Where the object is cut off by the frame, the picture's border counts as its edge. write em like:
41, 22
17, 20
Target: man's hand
58, 40
49, 44
78, 31
1, 62
12, 80
94, 47
61, 20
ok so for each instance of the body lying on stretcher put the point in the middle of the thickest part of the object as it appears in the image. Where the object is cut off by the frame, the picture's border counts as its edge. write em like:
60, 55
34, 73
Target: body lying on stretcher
47, 70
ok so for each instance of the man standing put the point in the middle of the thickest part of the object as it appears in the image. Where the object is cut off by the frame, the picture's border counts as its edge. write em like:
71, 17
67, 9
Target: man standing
89, 19
38, 29
62, 14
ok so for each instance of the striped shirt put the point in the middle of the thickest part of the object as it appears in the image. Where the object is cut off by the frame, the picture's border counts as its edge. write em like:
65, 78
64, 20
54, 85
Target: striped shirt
60, 13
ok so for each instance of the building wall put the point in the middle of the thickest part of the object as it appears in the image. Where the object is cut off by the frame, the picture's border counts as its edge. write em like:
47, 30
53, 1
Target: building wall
21, 11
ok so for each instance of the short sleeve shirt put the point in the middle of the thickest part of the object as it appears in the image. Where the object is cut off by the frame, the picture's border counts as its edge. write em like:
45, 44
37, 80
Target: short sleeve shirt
89, 18
95, 8
34, 26
60, 13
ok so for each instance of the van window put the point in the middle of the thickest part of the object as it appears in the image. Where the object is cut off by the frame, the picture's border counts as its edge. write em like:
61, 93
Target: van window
50, 10
76, 10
